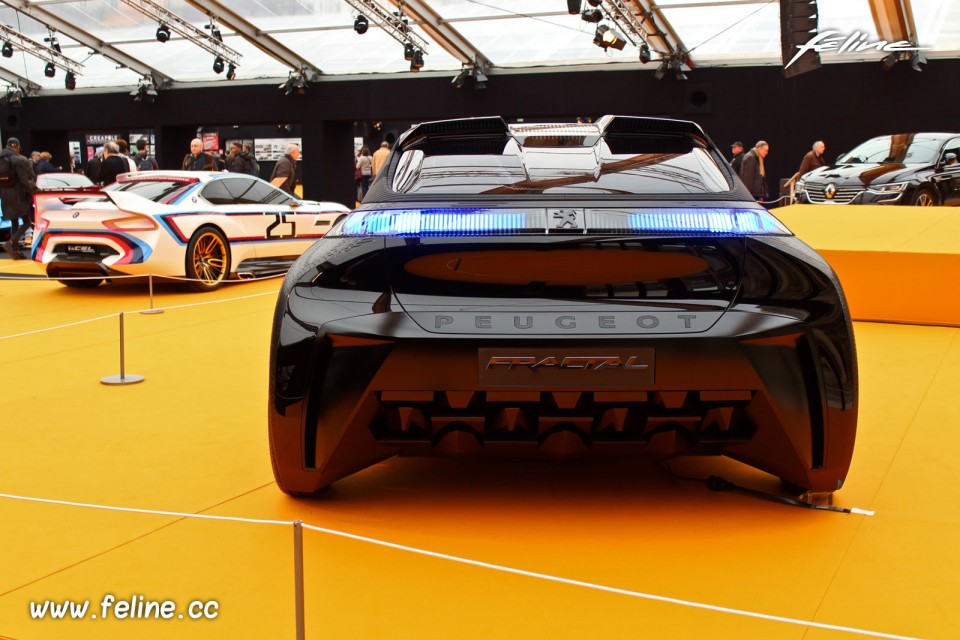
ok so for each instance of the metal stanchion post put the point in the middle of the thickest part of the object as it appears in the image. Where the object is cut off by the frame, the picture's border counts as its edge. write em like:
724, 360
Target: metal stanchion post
151, 309
123, 378
298, 576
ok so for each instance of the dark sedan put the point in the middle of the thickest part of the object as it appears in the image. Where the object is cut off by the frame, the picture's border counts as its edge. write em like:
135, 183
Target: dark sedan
908, 168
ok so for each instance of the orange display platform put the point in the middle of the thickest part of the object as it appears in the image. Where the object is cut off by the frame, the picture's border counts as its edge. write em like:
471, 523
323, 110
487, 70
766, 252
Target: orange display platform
896, 264
622, 535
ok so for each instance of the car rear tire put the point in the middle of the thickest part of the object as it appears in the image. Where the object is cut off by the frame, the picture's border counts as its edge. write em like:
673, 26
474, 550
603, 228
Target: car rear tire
207, 259
924, 197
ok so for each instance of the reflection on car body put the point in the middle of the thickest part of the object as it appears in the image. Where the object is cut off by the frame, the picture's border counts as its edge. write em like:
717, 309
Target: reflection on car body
559, 290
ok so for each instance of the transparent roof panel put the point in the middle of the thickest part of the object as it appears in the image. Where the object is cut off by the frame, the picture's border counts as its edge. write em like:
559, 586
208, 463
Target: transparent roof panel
511, 33
186, 62
731, 31
938, 24
342, 51
553, 40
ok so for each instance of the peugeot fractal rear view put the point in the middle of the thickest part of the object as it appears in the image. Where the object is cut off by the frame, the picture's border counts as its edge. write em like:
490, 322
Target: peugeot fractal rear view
557, 290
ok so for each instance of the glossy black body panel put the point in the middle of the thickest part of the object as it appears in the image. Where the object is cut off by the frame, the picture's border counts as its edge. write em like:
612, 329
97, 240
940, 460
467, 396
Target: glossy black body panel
357, 376
561, 344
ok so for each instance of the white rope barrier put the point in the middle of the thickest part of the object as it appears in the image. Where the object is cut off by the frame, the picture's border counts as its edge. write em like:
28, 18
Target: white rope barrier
481, 564
113, 315
46, 278
61, 326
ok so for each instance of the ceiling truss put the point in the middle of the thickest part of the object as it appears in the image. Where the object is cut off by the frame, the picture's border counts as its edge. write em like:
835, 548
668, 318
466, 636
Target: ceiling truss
265, 43
50, 20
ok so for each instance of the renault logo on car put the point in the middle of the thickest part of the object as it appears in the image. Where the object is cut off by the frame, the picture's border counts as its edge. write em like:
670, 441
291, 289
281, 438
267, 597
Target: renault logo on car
830, 190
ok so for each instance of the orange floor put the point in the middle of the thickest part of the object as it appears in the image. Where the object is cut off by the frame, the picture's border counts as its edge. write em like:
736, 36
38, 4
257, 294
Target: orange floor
192, 438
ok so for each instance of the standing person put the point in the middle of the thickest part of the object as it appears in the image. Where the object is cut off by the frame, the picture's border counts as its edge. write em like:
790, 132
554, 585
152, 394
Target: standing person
235, 159
93, 165
198, 159
365, 165
113, 164
814, 158
380, 157
250, 164
737, 160
17, 186
285, 173
753, 173
145, 161
35, 161
125, 154
46, 166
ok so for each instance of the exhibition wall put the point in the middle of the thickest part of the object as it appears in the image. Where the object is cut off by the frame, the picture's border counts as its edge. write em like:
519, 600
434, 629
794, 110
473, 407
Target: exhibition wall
840, 103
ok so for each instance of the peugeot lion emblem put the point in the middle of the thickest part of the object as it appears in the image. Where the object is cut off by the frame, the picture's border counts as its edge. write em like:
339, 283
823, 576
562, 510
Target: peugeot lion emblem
830, 190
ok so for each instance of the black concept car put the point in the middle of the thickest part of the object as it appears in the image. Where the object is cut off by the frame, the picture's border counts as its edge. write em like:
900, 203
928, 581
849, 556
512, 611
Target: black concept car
919, 169
555, 290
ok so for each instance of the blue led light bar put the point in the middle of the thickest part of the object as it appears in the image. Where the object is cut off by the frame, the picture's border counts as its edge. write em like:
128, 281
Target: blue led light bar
442, 222
738, 222
489, 221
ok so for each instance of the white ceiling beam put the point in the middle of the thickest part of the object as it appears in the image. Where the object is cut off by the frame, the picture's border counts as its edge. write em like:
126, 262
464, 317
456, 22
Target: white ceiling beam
206, 41
262, 41
444, 34
25, 84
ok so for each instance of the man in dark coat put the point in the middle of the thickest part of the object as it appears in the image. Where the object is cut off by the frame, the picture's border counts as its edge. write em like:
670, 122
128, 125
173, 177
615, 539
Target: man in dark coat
814, 158
235, 160
17, 186
753, 173
113, 164
198, 159
737, 160
285, 173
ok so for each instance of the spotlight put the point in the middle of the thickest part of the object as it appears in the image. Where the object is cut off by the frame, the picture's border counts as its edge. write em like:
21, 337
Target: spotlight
591, 15
645, 56
661, 70
70, 81
461, 78
417, 63
916, 60
146, 92
14, 97
7, 50
479, 80
54, 43
218, 65
163, 33
296, 83
408, 51
231, 71
607, 37
890, 59
361, 24
573, 7
50, 70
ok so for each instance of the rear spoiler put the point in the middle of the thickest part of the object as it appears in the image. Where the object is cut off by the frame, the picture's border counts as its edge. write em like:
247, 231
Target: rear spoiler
492, 125
496, 125
124, 201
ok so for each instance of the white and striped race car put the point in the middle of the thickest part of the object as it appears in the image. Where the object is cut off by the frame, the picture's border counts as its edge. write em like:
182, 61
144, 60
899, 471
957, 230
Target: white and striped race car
200, 226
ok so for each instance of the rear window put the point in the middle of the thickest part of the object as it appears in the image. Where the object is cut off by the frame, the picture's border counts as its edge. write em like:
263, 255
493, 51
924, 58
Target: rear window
548, 165
156, 190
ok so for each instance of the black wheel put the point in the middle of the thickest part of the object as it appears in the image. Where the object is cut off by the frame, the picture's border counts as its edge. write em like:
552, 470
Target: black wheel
207, 260
924, 197
81, 284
